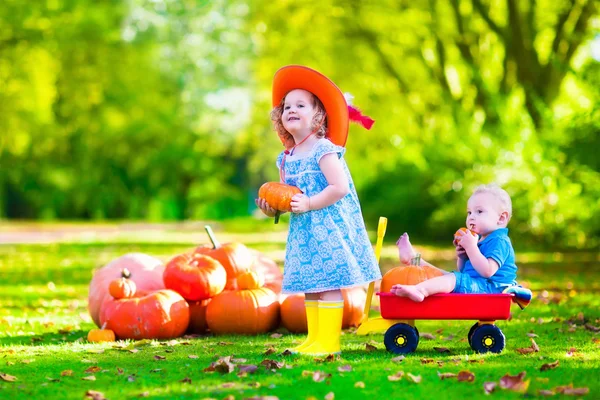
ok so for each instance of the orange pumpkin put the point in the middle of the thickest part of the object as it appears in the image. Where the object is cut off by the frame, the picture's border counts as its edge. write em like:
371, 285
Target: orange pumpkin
278, 195
195, 276
101, 335
146, 272
408, 274
457, 236
247, 312
198, 323
162, 314
293, 313
234, 257
250, 280
122, 288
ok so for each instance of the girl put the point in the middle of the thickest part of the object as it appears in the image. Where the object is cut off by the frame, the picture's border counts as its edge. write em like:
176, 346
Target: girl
327, 248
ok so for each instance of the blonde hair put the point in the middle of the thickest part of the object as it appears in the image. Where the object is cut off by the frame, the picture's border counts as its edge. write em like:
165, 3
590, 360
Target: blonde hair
287, 137
500, 194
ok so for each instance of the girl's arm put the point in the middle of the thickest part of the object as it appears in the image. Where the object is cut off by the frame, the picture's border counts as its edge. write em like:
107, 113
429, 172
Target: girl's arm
336, 178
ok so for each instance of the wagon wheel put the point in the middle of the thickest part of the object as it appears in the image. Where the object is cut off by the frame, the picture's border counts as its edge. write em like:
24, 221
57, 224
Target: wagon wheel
470, 335
401, 339
488, 338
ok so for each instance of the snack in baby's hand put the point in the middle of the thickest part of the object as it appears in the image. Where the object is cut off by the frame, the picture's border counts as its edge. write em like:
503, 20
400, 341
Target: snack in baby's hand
457, 235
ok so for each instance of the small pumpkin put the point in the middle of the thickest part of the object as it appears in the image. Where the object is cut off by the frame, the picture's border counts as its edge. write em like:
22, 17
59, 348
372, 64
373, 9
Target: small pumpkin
250, 280
234, 257
457, 236
162, 314
195, 276
198, 323
122, 288
408, 274
248, 312
101, 335
278, 196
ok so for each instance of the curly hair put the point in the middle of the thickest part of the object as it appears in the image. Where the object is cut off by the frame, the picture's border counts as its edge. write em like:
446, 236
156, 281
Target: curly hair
287, 137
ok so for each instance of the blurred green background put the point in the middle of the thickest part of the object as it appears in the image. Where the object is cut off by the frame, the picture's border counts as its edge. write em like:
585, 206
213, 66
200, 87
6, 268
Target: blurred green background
159, 110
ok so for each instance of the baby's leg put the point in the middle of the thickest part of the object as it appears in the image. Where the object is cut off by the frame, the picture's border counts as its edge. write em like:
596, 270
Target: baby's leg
440, 284
407, 253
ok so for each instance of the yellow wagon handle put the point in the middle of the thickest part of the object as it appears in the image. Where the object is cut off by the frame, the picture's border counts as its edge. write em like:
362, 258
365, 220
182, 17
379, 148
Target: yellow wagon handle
381, 227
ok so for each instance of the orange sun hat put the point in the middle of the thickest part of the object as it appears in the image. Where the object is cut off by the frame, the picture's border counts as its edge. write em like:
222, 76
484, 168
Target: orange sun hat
339, 113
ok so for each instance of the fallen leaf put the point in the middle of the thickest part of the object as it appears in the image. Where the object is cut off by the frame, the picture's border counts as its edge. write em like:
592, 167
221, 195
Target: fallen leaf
534, 345
276, 335
466, 376
369, 347
89, 378
193, 356
330, 396
532, 335
426, 336
441, 349
307, 373
93, 370
489, 387
345, 368
592, 328
248, 369
227, 385
359, 385
287, 352
413, 378
131, 378
67, 372
270, 351
446, 375
546, 393
186, 380
133, 350
224, 343
120, 371
526, 350
320, 376
576, 391
94, 395
157, 357
548, 366
53, 379
427, 360
155, 370
398, 359
396, 377
515, 383
272, 364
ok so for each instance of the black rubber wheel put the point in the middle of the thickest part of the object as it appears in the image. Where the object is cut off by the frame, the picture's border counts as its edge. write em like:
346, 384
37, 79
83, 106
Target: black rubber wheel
488, 338
471, 332
401, 339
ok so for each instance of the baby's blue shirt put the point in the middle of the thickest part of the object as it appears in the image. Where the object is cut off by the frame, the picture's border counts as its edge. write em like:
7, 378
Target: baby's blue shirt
498, 247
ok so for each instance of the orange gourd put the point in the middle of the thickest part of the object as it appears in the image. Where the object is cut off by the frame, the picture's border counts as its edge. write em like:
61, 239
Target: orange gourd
293, 313
122, 288
162, 314
101, 335
408, 274
234, 257
457, 236
195, 276
246, 312
278, 196
146, 272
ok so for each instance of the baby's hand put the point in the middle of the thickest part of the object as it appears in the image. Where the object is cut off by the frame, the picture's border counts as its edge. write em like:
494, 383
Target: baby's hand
300, 203
461, 253
467, 240
265, 207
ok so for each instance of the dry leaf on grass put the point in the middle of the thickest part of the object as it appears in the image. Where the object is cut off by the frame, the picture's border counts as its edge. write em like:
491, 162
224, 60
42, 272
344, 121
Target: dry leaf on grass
515, 383
369, 347
67, 372
441, 349
330, 396
93, 370
398, 359
396, 377
359, 385
413, 378
427, 360
89, 378
270, 350
446, 375
426, 336
570, 390
320, 376
157, 357
272, 364
489, 387
247, 368
276, 335
193, 356
186, 380
94, 395
345, 368
466, 376
548, 366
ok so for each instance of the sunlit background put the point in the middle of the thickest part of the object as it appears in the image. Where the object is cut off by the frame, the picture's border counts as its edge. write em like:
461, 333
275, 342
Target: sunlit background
159, 110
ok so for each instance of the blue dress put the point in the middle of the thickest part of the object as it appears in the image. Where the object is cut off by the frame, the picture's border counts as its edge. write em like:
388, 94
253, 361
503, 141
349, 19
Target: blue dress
326, 249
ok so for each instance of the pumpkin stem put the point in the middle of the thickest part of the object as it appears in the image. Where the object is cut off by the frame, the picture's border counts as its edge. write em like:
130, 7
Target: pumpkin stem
125, 273
277, 214
416, 261
216, 244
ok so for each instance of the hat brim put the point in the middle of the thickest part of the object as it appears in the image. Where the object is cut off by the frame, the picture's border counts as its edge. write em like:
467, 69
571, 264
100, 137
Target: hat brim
293, 77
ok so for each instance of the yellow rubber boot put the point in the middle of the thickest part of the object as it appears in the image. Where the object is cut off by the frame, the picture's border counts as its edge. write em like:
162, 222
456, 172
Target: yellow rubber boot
331, 314
312, 320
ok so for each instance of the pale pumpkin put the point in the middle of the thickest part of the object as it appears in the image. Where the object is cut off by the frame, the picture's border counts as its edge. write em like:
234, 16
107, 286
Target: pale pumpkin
146, 272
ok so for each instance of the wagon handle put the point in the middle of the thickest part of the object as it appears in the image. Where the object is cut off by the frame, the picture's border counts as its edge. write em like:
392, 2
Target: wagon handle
381, 227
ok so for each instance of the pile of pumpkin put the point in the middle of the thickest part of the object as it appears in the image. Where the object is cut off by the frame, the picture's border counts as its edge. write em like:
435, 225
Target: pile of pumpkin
226, 288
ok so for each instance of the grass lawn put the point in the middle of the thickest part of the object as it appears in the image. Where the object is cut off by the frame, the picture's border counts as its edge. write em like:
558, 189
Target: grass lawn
44, 323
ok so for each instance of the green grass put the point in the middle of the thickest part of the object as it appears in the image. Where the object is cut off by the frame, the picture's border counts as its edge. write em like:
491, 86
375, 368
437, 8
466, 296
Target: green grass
44, 323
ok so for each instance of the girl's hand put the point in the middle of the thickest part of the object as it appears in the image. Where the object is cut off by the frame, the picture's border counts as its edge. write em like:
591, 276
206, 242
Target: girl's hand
265, 208
300, 203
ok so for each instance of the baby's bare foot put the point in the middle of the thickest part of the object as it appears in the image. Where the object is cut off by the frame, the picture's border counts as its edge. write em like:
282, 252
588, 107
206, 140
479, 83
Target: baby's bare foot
409, 291
405, 250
